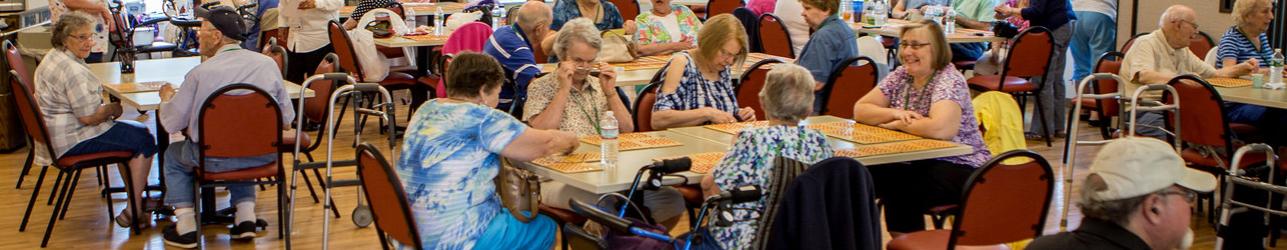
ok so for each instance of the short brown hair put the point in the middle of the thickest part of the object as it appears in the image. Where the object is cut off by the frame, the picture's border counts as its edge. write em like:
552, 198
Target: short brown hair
720, 30
469, 73
942, 53
831, 6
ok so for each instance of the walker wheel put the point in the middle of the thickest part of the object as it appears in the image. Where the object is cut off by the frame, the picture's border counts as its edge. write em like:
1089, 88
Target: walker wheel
362, 216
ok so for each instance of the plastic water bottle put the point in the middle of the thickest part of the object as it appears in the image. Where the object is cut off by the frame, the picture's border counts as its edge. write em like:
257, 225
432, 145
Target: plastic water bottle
500, 15
858, 10
608, 144
881, 11
1276, 67
949, 25
438, 19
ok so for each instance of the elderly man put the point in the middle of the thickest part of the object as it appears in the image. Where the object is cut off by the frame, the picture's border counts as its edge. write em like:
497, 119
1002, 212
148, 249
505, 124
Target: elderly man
1138, 195
220, 37
1157, 57
308, 41
512, 46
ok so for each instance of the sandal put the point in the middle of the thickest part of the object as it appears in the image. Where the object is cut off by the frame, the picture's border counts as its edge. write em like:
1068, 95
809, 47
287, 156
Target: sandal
123, 219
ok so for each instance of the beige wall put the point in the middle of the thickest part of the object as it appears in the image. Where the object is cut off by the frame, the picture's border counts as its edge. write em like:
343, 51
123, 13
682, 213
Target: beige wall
1210, 20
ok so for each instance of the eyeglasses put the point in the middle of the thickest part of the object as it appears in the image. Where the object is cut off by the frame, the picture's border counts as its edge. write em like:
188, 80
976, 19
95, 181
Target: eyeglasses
1195, 25
724, 53
83, 38
1188, 195
912, 44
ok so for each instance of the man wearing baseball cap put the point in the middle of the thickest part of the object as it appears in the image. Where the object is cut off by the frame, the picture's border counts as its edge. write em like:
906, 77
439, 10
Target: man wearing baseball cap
220, 36
1138, 195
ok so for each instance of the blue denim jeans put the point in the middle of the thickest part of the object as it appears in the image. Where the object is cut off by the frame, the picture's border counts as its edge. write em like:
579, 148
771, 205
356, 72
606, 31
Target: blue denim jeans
181, 158
1095, 34
125, 135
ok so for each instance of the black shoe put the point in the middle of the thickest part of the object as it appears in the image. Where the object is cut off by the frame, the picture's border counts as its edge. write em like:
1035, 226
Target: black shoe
172, 238
243, 231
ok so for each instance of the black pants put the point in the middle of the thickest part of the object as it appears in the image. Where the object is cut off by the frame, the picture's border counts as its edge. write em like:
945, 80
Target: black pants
908, 190
303, 64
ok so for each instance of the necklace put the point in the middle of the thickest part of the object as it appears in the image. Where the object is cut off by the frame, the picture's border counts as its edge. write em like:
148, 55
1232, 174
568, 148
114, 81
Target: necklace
921, 97
576, 98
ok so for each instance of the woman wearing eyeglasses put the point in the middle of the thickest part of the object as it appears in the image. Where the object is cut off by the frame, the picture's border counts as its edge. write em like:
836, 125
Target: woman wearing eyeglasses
697, 87
926, 97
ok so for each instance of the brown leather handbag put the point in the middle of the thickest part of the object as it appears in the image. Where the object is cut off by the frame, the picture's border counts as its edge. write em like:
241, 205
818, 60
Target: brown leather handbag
519, 189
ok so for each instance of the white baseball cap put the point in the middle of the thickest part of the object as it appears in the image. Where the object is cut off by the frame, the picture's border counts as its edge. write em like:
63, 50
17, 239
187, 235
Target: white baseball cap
1135, 166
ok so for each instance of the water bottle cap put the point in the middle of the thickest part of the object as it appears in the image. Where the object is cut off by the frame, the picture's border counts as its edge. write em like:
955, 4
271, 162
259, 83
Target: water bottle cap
608, 113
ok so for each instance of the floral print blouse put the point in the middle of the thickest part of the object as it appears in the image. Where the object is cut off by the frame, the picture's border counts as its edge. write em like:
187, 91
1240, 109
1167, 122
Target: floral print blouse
947, 85
749, 162
449, 158
650, 30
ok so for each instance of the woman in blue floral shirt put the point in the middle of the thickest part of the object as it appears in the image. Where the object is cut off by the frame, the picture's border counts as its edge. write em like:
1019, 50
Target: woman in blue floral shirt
452, 154
925, 97
788, 98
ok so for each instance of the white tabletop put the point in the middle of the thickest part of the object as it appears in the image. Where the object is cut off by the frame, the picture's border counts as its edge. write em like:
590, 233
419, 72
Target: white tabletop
171, 70
643, 76
1275, 98
629, 163
962, 35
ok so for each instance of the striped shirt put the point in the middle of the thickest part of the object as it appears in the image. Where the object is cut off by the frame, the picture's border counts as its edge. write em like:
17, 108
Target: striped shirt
65, 90
695, 91
1234, 44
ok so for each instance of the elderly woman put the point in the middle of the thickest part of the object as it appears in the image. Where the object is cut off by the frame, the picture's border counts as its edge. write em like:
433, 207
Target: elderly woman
452, 154
604, 14
1246, 41
788, 98
926, 97
570, 100
1058, 16
832, 43
79, 122
666, 28
697, 87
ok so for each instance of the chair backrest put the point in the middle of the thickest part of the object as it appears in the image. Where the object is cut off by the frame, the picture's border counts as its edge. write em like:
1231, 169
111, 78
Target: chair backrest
343, 46
1003, 202
30, 114
850, 80
751, 23
234, 123
643, 106
774, 36
872, 48
268, 35
278, 54
1110, 62
469, 37
539, 54
396, 7
17, 64
1127, 46
629, 9
1201, 44
1030, 53
716, 7
389, 206
315, 107
1202, 115
752, 80
1211, 58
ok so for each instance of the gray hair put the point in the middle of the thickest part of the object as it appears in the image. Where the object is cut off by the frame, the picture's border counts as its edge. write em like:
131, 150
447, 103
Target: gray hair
1244, 8
788, 93
1117, 211
1174, 13
580, 30
68, 23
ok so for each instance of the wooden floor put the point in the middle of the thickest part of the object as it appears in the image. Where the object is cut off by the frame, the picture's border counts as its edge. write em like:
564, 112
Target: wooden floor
87, 224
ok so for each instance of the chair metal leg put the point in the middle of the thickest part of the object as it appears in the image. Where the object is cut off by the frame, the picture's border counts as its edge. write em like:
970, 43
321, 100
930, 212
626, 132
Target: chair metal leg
75, 180
196, 205
57, 183
98, 172
384, 241
26, 167
309, 185
53, 217
30, 203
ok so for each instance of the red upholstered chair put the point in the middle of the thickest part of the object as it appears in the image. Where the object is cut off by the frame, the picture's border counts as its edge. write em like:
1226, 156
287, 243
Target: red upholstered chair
18, 67
716, 7
348, 61
752, 80
1109, 62
643, 105
1127, 46
850, 80
390, 209
1029, 55
278, 35
1200, 44
315, 110
1003, 203
629, 9
774, 36
278, 53
234, 123
539, 54
1207, 135
70, 165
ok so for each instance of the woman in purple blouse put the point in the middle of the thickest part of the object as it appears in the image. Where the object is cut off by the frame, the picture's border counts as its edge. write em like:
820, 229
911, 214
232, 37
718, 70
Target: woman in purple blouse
926, 97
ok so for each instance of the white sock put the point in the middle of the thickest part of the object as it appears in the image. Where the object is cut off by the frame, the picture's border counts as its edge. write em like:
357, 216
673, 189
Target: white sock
245, 212
186, 222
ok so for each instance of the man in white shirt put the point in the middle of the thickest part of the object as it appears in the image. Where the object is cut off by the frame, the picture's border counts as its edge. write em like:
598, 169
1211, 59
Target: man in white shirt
308, 41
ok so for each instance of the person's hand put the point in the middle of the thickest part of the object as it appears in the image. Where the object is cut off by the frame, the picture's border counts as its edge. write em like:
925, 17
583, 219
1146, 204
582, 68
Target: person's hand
564, 75
906, 116
608, 78
167, 92
567, 142
307, 4
684, 43
746, 113
630, 27
717, 116
894, 125
1004, 11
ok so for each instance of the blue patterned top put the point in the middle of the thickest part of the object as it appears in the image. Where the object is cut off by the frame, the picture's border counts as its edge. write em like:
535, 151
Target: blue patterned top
450, 156
694, 91
566, 10
1236, 45
947, 85
749, 162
